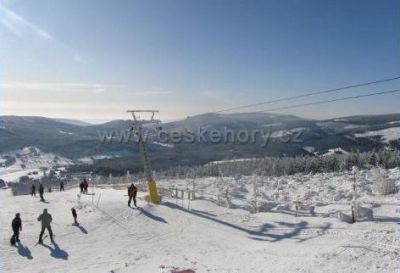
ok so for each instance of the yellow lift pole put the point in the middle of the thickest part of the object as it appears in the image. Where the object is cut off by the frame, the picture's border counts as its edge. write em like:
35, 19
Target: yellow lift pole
138, 127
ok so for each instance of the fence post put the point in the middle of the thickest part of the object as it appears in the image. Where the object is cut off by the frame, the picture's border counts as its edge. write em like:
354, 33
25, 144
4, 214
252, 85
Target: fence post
98, 200
228, 202
189, 199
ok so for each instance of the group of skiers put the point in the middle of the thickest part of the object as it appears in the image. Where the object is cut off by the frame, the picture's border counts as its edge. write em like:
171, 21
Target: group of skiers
84, 186
41, 190
45, 218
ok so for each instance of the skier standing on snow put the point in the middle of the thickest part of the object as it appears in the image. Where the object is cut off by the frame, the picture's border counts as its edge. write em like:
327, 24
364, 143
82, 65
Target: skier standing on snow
85, 186
75, 215
45, 218
16, 225
62, 186
41, 191
81, 186
132, 191
33, 190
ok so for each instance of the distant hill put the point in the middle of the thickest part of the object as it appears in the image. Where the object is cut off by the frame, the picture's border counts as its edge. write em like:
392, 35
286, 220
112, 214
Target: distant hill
73, 122
78, 140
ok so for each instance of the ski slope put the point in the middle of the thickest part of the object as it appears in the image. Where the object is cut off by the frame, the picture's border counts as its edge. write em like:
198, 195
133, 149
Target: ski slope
205, 238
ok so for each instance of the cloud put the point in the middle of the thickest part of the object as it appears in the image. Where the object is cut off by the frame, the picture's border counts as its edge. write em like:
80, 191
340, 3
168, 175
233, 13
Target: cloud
52, 86
19, 26
25, 86
23, 28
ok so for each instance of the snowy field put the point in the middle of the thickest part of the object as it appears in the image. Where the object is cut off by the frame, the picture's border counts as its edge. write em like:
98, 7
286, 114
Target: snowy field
28, 161
205, 237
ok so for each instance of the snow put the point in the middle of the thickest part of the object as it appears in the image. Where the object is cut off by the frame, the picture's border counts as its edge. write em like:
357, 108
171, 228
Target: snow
64, 132
205, 238
340, 120
388, 134
309, 149
282, 133
165, 145
352, 126
273, 124
207, 235
230, 160
29, 160
90, 159
335, 151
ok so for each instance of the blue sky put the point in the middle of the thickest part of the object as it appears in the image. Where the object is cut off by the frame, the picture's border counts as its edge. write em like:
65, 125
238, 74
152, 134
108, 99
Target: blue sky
94, 59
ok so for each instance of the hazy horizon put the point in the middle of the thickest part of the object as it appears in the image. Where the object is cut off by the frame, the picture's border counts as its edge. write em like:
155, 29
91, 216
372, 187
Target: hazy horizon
94, 122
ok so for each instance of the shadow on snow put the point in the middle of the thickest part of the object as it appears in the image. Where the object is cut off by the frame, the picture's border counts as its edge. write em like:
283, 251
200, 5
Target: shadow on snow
56, 251
261, 234
81, 228
24, 251
151, 216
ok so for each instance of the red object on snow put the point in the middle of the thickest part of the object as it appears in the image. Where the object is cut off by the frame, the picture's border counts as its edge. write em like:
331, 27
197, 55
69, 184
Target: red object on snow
185, 271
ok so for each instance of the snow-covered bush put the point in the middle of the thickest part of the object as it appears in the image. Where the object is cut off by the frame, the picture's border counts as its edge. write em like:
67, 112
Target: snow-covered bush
383, 185
386, 186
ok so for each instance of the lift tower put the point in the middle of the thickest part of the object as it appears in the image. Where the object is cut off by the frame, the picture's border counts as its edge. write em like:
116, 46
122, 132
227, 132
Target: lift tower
137, 126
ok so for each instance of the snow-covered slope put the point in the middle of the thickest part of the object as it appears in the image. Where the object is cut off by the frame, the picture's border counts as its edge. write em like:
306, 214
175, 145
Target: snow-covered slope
205, 238
28, 160
387, 135
90, 159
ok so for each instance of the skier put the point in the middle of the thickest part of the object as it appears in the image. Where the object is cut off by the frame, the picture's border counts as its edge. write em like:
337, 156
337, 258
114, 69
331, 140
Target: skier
41, 191
81, 186
75, 215
33, 190
16, 227
85, 186
132, 191
45, 218
62, 186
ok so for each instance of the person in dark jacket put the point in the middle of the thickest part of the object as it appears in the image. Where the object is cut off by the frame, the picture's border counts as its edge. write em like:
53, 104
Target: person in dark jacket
62, 186
132, 191
81, 186
16, 225
75, 215
33, 190
45, 219
85, 186
41, 191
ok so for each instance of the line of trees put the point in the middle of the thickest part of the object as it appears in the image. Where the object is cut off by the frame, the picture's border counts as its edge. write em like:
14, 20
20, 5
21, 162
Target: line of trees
278, 166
